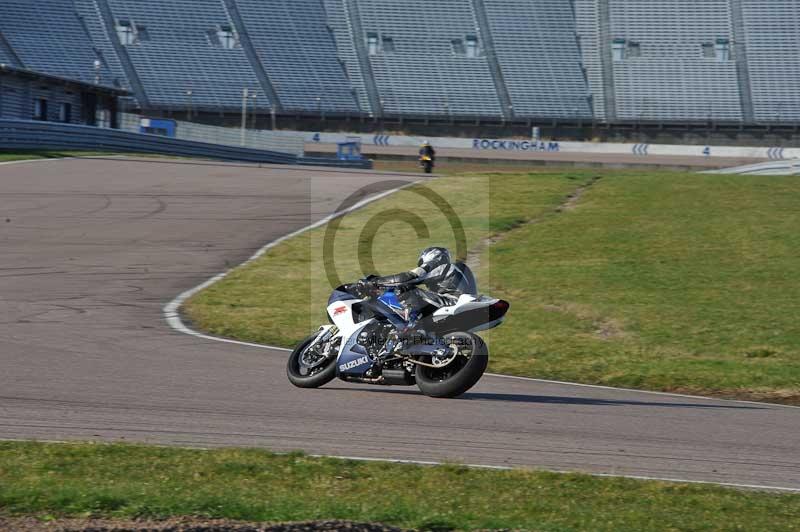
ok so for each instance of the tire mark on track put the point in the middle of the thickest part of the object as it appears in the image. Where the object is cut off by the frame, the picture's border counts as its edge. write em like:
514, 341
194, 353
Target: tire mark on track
108, 203
162, 206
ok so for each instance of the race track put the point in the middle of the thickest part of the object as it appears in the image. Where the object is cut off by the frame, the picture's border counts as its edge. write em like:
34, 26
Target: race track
93, 249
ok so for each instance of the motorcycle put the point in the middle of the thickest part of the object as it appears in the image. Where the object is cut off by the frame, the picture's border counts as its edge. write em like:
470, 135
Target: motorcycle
399, 335
426, 162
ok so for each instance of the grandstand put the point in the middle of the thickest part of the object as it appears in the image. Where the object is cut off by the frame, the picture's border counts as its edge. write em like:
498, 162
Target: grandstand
521, 30
297, 50
103, 42
609, 61
48, 36
179, 52
773, 62
427, 58
672, 61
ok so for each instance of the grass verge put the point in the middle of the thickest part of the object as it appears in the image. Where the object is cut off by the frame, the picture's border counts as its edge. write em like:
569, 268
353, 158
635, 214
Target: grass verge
124, 481
656, 280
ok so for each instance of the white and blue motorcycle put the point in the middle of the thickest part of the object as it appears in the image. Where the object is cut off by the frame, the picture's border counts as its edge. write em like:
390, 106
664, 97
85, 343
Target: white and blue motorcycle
400, 335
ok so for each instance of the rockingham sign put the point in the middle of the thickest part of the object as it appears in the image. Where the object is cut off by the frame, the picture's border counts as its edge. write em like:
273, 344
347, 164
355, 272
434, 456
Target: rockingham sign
484, 144
533, 146
515, 145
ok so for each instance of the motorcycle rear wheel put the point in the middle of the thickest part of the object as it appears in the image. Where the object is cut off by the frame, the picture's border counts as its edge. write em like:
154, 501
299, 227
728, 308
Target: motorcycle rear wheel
461, 374
301, 376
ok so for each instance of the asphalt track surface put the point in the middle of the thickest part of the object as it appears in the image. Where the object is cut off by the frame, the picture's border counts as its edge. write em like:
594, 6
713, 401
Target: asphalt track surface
92, 250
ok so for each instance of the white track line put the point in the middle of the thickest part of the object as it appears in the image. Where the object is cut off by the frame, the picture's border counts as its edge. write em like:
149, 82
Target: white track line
172, 315
563, 472
666, 394
172, 309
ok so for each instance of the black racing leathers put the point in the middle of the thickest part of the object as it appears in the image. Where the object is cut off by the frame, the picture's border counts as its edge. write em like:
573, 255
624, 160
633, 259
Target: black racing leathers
449, 278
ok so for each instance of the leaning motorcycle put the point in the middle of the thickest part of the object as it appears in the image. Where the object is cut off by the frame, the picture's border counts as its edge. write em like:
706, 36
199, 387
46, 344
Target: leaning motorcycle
399, 335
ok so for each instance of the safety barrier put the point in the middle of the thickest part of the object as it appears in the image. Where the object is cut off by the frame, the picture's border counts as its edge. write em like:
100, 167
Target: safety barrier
228, 136
34, 135
776, 168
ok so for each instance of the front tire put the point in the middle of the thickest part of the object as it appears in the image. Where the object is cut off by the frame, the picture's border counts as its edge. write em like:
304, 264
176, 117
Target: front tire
303, 376
461, 374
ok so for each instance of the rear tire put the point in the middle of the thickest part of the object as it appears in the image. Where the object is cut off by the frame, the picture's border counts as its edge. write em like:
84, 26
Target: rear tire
443, 383
311, 379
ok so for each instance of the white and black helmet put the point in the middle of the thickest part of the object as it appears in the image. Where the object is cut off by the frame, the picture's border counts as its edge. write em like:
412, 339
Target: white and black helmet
432, 258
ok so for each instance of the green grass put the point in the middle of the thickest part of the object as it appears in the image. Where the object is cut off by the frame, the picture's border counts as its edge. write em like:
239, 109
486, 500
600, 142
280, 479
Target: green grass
655, 280
123, 481
244, 304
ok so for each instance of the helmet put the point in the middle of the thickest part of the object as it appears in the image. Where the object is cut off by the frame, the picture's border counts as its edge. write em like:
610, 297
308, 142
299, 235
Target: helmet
426, 143
434, 257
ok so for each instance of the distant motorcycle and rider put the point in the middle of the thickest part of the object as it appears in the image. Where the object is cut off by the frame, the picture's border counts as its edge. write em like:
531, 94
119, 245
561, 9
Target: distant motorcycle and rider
416, 327
427, 157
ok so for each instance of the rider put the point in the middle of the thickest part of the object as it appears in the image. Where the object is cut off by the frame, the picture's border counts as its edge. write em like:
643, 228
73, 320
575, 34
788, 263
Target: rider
426, 150
441, 275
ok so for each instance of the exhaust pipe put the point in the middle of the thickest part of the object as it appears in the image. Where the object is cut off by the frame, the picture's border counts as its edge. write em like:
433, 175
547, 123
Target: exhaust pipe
397, 377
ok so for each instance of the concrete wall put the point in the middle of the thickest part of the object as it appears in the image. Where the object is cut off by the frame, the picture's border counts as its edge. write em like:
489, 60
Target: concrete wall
528, 145
293, 143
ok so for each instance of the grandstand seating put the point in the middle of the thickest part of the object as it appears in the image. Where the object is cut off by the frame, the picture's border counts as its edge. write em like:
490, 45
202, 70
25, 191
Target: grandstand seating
587, 24
420, 72
48, 37
667, 76
773, 38
178, 55
341, 26
297, 50
615, 60
7, 54
538, 53
89, 13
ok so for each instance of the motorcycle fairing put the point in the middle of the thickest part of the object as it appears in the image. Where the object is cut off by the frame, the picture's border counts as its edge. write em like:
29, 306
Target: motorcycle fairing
465, 303
353, 359
469, 313
342, 314
389, 298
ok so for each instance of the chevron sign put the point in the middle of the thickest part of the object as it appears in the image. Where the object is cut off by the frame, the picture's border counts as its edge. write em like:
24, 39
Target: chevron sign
641, 149
775, 153
381, 140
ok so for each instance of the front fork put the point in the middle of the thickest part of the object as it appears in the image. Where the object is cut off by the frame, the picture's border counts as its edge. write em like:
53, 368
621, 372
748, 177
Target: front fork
325, 335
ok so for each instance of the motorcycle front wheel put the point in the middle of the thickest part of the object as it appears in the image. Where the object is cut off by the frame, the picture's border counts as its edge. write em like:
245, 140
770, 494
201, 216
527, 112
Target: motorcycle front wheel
307, 369
461, 374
